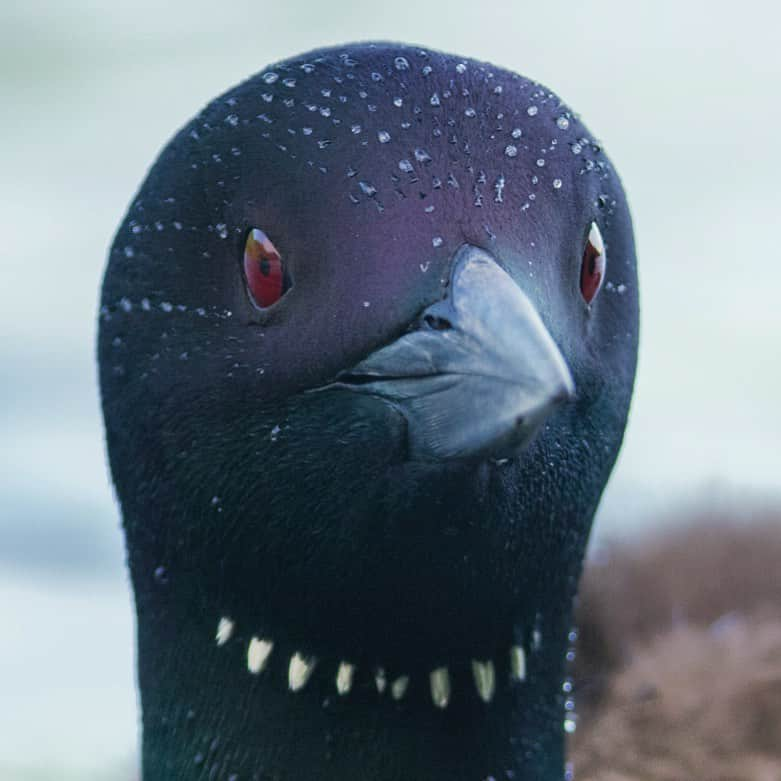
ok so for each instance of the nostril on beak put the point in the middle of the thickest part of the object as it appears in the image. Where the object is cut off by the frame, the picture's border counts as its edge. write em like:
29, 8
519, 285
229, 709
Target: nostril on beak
436, 323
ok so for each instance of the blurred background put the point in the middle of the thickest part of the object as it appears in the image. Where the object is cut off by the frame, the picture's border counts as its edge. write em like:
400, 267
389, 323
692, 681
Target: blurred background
684, 97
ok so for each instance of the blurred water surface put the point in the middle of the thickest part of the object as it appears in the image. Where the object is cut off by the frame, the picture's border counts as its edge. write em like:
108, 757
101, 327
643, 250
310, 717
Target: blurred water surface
685, 98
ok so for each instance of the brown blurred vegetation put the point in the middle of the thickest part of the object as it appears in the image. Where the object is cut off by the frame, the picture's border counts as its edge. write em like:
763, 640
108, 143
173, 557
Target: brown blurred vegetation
678, 676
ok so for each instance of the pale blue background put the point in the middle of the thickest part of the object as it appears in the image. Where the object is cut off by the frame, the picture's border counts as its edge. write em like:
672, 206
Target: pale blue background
685, 96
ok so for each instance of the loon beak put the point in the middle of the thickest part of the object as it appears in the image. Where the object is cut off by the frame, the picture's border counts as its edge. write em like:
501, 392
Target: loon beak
478, 375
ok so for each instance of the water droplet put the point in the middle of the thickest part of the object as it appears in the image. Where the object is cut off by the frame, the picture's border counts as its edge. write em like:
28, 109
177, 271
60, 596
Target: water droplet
307, 131
367, 189
325, 111
222, 230
437, 241
401, 63
434, 99
541, 162
426, 70
557, 184
517, 133
532, 111
470, 112
307, 67
289, 83
270, 77
498, 89
562, 123
129, 252
422, 156
511, 151
398, 102
383, 136
161, 575
406, 166
499, 189
355, 129
461, 67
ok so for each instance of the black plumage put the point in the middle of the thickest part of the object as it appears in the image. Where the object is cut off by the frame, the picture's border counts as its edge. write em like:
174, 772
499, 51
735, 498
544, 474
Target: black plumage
261, 478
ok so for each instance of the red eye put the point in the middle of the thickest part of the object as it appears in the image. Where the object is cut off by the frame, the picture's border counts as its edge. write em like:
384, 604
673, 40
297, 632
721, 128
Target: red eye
592, 271
263, 269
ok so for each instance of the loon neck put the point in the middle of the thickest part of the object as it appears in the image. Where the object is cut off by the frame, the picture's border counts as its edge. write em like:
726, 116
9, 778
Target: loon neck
220, 703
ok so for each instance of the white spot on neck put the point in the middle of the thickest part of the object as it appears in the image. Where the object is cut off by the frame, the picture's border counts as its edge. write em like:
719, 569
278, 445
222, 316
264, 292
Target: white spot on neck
518, 663
380, 680
300, 671
224, 630
485, 679
399, 687
258, 653
439, 680
344, 677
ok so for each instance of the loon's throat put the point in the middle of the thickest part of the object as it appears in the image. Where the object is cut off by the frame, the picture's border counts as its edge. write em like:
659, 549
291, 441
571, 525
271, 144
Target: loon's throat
230, 704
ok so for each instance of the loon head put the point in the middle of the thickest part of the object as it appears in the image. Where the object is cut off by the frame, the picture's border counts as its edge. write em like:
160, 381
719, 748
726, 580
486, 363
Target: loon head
367, 342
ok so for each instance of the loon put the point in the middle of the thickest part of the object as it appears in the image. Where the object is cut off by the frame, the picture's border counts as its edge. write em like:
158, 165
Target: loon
367, 341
